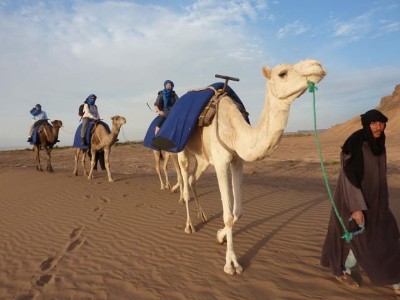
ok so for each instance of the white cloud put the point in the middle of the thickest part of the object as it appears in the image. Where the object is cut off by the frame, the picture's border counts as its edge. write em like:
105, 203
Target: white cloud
121, 51
294, 28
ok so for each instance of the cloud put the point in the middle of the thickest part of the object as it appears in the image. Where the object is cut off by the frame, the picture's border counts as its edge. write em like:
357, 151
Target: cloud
57, 53
294, 28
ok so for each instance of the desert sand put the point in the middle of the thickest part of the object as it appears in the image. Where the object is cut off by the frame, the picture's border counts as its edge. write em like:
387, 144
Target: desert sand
67, 237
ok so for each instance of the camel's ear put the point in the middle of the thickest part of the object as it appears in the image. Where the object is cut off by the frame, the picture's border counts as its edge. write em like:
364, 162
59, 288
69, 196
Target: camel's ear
266, 72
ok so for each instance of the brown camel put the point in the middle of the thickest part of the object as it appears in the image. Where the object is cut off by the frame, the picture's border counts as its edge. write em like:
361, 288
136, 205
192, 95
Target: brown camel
47, 137
164, 156
101, 139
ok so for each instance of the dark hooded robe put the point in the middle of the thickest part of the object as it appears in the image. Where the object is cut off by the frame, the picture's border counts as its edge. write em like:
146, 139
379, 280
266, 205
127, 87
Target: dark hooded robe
362, 186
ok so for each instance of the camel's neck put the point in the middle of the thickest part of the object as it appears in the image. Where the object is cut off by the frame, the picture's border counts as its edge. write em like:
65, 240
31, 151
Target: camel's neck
54, 135
262, 139
112, 137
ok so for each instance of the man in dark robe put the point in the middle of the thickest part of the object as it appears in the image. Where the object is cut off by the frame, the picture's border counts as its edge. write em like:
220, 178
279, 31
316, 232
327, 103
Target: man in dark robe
362, 200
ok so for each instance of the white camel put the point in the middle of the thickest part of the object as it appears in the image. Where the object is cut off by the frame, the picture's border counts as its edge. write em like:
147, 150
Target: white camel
230, 140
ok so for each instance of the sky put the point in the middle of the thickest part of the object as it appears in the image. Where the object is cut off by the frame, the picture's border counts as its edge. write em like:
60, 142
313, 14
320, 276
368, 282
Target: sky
56, 53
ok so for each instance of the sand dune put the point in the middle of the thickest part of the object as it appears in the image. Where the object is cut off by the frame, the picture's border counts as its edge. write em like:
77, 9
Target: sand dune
65, 237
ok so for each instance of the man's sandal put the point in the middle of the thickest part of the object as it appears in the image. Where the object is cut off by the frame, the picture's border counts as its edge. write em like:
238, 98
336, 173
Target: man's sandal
348, 281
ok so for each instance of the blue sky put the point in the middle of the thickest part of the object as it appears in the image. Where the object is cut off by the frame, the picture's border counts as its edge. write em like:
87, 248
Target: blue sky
56, 53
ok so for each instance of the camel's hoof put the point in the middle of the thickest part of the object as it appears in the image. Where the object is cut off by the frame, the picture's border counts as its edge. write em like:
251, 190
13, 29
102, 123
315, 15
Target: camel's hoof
239, 269
190, 229
229, 269
110, 180
202, 216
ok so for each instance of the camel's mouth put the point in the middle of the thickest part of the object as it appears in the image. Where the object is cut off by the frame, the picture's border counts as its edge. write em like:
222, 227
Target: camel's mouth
315, 72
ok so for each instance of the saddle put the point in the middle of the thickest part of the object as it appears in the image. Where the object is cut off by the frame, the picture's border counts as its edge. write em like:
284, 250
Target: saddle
207, 115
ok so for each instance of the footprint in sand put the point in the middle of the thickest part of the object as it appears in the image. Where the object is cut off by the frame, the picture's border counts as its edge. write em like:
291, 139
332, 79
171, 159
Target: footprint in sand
101, 207
49, 266
44, 279
105, 200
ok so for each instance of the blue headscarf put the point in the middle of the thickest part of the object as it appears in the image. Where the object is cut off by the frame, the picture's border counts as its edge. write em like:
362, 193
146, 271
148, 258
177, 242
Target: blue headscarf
37, 110
167, 93
91, 99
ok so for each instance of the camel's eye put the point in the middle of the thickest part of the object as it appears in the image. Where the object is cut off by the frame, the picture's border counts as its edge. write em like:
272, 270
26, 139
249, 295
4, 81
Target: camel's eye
282, 74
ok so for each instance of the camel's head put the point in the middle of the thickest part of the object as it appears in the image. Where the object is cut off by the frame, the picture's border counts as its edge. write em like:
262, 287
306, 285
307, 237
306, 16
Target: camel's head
287, 82
57, 123
118, 121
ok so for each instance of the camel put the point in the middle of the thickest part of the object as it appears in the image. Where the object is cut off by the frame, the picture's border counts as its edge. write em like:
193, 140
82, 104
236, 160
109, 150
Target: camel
47, 138
101, 139
165, 156
229, 141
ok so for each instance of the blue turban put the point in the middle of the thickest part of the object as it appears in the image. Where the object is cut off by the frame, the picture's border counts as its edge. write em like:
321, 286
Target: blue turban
170, 82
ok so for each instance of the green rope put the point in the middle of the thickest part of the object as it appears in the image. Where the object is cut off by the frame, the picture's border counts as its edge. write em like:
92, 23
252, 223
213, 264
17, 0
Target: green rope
347, 235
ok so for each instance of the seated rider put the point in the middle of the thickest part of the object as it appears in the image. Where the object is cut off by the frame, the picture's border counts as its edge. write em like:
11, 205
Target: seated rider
166, 98
38, 117
90, 113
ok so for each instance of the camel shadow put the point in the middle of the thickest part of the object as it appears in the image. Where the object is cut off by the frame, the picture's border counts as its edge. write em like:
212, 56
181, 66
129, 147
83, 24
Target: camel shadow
247, 257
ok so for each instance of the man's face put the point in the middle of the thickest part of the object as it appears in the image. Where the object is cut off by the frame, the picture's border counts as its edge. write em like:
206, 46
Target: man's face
377, 128
168, 86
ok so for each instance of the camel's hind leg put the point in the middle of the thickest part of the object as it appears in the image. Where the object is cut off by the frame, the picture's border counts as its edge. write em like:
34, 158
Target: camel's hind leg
200, 166
179, 183
165, 170
183, 159
157, 158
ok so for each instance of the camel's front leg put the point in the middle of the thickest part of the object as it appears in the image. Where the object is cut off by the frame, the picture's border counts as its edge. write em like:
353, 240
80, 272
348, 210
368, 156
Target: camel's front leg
183, 159
76, 159
49, 167
83, 162
237, 179
107, 163
92, 163
231, 264
37, 158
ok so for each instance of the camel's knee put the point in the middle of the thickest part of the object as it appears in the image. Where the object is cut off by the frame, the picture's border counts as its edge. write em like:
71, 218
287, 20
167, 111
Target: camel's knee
229, 221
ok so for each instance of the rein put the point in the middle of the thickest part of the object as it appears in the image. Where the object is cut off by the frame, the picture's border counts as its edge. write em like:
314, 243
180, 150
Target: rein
348, 236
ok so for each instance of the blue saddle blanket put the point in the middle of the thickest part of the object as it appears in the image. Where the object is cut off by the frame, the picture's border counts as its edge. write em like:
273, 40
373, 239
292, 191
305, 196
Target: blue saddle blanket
35, 133
182, 119
88, 136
